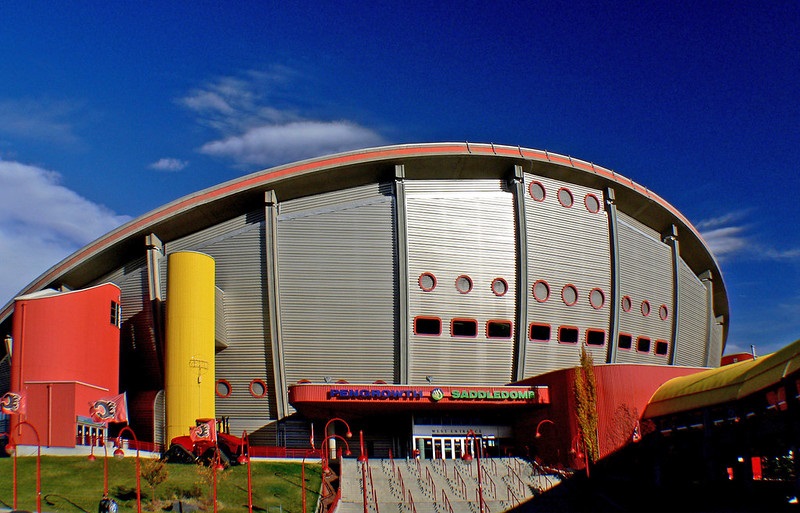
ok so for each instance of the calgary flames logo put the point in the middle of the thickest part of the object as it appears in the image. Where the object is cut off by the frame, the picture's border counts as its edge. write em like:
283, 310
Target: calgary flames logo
104, 410
10, 403
202, 431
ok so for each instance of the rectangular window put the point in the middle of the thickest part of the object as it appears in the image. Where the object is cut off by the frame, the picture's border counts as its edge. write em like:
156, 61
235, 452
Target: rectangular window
498, 329
568, 334
464, 328
595, 337
625, 341
643, 344
661, 347
540, 332
427, 326
115, 314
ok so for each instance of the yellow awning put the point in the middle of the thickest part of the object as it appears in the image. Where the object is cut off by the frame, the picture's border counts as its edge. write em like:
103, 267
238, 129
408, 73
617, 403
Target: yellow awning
723, 384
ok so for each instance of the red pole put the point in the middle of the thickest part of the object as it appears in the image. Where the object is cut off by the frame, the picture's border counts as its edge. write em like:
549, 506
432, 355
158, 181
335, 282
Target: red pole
38, 475
249, 476
303, 483
38, 467
138, 468
363, 459
105, 470
214, 471
14, 472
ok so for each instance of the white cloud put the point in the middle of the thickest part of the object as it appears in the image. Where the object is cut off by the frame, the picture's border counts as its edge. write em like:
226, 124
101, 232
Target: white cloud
729, 236
723, 220
42, 222
726, 241
257, 128
44, 120
169, 164
270, 144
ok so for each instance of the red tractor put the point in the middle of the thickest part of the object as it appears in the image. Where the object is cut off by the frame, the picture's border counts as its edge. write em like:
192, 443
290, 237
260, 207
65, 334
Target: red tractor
202, 447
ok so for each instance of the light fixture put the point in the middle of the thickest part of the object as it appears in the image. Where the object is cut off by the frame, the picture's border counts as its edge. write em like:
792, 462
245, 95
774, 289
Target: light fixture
429, 379
328, 379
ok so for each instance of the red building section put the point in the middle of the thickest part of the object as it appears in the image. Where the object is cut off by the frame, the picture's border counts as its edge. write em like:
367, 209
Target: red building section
65, 355
623, 393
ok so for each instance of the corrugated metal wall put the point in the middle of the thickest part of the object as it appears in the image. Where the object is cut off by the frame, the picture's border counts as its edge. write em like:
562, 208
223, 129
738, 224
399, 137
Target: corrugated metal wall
461, 228
137, 338
715, 351
337, 285
645, 275
237, 247
693, 322
566, 246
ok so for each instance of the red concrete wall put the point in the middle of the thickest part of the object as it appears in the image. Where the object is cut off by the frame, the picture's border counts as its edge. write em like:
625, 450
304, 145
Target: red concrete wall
66, 354
623, 393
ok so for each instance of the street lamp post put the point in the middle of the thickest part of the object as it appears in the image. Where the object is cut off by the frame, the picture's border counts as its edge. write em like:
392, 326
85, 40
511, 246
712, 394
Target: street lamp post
468, 457
325, 468
93, 458
348, 434
215, 463
303, 476
245, 449
539, 425
362, 459
11, 447
578, 448
119, 454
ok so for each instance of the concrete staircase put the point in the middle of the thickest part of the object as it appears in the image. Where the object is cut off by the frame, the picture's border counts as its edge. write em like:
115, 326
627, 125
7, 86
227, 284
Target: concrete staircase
440, 486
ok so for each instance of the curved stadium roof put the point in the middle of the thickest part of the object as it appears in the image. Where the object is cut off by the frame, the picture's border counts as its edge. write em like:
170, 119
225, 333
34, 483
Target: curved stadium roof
422, 161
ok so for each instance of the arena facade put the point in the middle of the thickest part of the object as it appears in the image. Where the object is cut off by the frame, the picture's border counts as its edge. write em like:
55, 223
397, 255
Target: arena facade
418, 291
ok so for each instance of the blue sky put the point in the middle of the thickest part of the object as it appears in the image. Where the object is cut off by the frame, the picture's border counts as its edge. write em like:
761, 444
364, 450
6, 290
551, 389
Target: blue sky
111, 109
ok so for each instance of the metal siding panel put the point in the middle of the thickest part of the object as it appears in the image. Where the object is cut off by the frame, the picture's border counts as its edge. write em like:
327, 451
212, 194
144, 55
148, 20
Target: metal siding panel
241, 276
141, 368
566, 246
461, 227
715, 351
338, 286
645, 275
693, 322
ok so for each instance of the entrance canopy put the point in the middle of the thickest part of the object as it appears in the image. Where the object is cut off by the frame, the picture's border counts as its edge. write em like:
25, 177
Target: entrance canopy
309, 398
724, 384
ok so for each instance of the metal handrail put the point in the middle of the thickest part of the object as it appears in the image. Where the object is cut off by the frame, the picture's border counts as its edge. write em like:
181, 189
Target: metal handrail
429, 478
446, 501
411, 502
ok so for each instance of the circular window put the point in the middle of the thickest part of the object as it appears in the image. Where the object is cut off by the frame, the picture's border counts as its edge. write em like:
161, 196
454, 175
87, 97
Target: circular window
569, 294
565, 197
541, 291
645, 308
592, 203
597, 299
536, 190
663, 312
463, 283
258, 388
499, 287
223, 388
627, 304
427, 282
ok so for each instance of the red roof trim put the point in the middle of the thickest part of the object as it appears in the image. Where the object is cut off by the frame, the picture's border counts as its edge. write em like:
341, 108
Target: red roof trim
333, 161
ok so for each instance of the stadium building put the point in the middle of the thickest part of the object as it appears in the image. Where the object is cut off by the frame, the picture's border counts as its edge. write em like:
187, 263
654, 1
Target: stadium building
421, 292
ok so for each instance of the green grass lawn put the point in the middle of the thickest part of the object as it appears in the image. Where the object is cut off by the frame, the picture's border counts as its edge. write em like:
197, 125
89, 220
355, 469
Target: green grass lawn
73, 484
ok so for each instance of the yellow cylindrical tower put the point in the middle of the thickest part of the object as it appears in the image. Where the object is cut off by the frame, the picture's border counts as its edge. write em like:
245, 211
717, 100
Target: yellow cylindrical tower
189, 353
